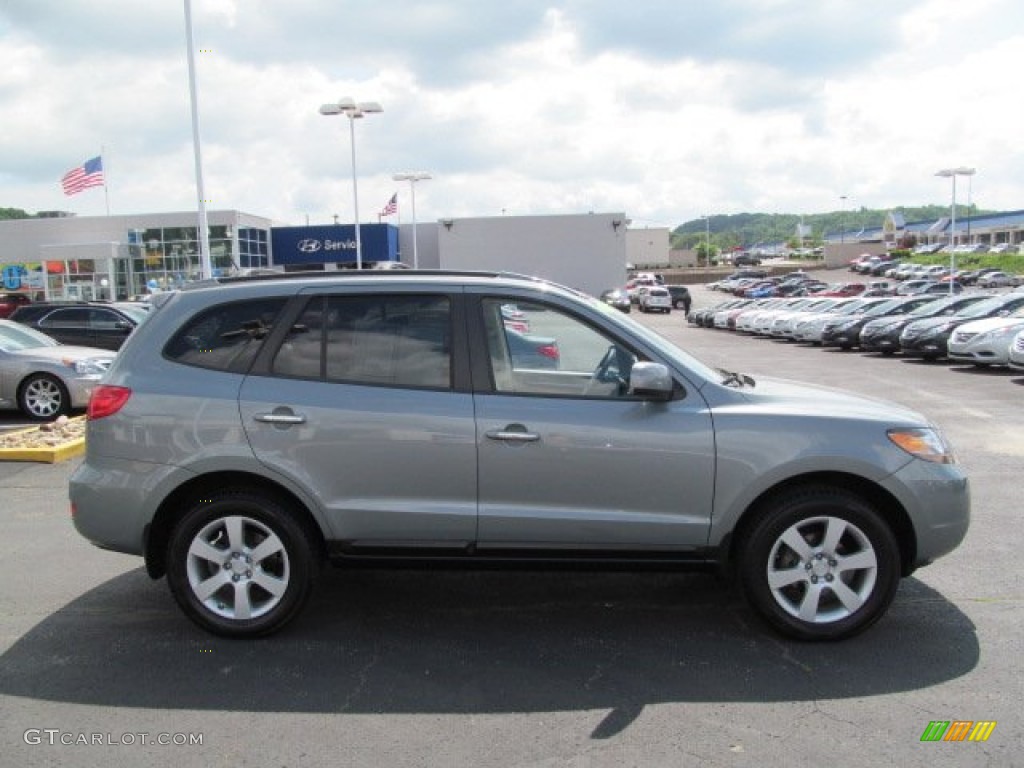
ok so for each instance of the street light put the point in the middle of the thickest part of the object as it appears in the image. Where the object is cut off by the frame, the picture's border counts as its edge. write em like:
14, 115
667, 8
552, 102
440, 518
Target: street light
351, 110
412, 178
707, 239
952, 173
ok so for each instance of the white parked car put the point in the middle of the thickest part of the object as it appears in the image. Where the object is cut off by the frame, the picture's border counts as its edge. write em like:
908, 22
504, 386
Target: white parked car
654, 298
985, 342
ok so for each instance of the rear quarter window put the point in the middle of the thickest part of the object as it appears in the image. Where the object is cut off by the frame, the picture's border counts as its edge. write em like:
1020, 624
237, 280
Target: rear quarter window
226, 337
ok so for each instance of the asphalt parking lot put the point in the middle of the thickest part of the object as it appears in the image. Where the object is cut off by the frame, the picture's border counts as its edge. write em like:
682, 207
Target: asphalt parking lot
485, 669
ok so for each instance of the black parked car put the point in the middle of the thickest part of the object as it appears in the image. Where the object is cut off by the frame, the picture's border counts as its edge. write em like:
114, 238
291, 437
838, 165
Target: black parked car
929, 338
883, 334
844, 332
85, 324
680, 297
745, 260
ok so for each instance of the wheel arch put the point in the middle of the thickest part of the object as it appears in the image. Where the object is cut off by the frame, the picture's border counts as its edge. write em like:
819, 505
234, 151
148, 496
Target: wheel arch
159, 530
889, 507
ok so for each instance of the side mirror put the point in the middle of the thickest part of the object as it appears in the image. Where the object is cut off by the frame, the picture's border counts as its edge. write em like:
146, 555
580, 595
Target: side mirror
651, 381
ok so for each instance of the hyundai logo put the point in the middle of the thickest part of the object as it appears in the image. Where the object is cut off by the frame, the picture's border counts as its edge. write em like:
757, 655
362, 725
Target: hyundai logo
309, 245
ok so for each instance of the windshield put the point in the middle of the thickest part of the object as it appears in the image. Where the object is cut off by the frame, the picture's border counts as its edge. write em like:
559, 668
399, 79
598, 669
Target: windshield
15, 337
138, 314
934, 307
983, 308
848, 308
883, 307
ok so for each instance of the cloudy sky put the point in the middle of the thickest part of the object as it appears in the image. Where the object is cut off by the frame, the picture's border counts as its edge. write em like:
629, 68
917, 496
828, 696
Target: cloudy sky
662, 109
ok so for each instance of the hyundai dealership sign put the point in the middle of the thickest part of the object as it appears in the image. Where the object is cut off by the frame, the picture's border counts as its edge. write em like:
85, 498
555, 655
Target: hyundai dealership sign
333, 243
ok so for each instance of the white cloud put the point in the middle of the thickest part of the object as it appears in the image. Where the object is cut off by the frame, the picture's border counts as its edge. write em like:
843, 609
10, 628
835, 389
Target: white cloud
757, 105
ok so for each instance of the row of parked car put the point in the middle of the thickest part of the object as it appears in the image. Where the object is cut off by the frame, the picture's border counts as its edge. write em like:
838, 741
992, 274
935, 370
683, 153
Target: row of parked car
883, 266
52, 354
977, 327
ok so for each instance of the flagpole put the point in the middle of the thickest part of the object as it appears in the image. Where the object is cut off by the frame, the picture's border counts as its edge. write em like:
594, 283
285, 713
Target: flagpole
205, 265
103, 165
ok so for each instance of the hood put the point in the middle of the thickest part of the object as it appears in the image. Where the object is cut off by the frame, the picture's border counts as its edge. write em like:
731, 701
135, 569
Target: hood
989, 323
826, 402
64, 352
934, 322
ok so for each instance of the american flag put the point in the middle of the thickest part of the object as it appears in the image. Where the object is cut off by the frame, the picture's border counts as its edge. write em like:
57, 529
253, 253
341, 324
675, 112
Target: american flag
89, 174
392, 207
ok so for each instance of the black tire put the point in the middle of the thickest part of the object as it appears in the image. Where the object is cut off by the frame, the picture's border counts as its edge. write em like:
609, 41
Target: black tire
803, 600
42, 397
256, 592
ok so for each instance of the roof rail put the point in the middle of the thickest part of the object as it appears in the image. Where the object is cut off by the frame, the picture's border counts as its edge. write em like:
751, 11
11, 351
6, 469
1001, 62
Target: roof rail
386, 274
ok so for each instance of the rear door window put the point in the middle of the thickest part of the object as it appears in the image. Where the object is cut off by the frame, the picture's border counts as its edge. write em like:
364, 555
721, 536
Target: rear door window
227, 336
387, 340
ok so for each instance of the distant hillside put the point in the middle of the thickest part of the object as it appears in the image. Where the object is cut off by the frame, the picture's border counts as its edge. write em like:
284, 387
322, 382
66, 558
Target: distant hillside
748, 229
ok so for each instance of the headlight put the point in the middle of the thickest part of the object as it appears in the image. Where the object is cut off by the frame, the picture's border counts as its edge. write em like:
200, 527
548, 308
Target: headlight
926, 444
1005, 331
938, 329
91, 366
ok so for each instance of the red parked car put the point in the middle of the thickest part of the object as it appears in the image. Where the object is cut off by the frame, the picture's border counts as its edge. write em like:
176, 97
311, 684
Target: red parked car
843, 290
11, 301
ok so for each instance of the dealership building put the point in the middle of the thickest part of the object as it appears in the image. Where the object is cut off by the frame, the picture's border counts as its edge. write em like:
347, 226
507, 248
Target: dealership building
62, 256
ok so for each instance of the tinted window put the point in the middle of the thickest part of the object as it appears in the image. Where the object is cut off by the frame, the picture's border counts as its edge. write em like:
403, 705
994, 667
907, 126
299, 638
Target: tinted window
105, 320
227, 336
76, 317
387, 340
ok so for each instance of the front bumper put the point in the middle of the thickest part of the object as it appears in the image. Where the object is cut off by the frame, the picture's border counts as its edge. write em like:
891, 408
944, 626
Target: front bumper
938, 502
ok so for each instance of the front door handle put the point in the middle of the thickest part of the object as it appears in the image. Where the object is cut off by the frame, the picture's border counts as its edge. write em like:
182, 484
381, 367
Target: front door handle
513, 433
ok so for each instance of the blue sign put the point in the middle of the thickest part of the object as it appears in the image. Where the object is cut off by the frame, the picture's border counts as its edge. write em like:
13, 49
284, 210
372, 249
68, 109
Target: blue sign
333, 244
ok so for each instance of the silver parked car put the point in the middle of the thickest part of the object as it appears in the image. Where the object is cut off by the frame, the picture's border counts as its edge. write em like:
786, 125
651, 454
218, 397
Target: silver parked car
44, 378
1015, 354
985, 342
249, 431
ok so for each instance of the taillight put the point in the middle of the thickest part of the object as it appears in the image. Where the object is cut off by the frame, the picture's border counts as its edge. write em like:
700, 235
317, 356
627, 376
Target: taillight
106, 400
548, 350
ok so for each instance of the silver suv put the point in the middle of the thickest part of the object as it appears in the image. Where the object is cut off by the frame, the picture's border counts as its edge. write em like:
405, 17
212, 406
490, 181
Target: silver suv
251, 430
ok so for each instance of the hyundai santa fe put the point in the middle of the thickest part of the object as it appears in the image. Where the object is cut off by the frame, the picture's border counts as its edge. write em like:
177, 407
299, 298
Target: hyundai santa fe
253, 429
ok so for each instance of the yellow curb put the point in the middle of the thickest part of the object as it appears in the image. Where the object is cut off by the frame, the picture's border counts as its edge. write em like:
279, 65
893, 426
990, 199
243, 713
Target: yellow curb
67, 450
48, 455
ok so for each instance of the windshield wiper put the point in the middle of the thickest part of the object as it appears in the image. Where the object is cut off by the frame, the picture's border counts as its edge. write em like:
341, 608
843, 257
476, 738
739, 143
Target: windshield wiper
733, 379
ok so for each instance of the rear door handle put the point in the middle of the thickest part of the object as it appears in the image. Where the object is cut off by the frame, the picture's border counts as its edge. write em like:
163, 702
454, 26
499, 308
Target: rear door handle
280, 416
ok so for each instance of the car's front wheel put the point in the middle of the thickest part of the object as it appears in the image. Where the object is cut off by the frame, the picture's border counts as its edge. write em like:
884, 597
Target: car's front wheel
43, 397
819, 564
239, 564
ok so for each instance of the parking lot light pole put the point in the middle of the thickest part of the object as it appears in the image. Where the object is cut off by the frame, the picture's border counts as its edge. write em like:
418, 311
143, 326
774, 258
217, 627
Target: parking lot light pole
842, 220
352, 111
952, 173
412, 178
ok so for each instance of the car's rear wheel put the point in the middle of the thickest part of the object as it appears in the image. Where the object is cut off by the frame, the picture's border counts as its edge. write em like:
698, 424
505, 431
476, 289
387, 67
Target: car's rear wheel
819, 564
43, 397
239, 564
